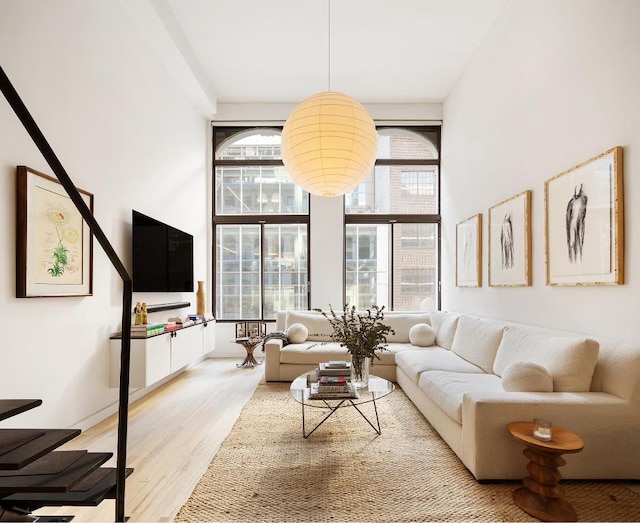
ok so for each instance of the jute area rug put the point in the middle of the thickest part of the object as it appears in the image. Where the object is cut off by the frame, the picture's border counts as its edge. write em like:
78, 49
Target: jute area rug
266, 471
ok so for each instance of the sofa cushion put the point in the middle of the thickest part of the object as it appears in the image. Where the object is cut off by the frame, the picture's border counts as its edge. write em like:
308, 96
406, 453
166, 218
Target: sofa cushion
447, 389
318, 327
422, 335
401, 324
297, 333
524, 376
477, 341
569, 359
388, 356
415, 362
444, 324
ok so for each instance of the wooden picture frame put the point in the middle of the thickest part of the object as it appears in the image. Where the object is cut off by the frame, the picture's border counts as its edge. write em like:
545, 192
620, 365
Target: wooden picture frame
584, 223
253, 329
469, 252
241, 330
510, 242
54, 245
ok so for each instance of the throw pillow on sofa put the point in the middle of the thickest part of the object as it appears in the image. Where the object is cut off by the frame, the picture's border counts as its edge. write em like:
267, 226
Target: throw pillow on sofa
526, 376
297, 333
422, 335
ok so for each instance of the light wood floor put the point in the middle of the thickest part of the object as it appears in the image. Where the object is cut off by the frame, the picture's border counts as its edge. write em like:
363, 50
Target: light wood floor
174, 432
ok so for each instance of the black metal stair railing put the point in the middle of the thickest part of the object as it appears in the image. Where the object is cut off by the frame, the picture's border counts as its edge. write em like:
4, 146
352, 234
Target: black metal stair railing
125, 355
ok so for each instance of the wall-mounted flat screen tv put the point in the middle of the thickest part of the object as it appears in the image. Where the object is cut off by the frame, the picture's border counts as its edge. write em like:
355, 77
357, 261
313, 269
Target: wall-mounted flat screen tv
162, 256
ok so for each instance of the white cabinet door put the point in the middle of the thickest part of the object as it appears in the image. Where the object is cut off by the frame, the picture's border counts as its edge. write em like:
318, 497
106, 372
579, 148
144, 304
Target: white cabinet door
195, 342
180, 348
157, 358
209, 337
150, 361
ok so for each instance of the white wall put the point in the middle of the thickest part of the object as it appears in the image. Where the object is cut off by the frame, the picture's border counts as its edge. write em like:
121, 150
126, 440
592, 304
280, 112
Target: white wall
125, 132
555, 83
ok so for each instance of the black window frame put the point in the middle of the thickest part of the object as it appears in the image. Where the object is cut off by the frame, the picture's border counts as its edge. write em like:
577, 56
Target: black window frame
392, 219
220, 134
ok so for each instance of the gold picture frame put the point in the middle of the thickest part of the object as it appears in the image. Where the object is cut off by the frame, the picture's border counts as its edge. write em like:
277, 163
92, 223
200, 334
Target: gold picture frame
469, 252
584, 223
509, 233
54, 245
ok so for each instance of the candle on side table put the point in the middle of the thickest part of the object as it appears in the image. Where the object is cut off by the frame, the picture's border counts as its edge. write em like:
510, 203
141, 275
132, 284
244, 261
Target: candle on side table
542, 429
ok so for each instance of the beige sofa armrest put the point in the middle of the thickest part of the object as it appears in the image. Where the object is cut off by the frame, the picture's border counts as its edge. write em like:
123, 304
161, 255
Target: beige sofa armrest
272, 359
602, 420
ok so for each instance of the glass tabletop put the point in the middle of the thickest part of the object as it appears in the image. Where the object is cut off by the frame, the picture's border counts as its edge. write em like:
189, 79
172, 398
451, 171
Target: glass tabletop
377, 388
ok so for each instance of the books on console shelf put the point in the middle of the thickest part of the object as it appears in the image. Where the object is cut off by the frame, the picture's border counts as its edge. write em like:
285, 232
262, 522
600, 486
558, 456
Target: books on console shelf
146, 329
316, 394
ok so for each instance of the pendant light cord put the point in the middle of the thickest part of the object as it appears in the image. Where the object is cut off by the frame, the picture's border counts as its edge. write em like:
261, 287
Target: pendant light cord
329, 46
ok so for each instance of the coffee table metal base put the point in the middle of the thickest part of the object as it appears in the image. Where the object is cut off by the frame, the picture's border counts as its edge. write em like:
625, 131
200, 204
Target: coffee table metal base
333, 409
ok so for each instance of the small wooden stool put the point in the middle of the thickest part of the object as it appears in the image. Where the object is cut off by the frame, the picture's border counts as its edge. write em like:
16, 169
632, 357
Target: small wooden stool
541, 496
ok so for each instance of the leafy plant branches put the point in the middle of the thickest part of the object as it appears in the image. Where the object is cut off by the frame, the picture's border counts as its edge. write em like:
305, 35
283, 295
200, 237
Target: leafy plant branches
362, 334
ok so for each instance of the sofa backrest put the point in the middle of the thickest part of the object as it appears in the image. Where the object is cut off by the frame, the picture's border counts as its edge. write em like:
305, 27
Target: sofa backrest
618, 369
617, 366
401, 323
570, 360
320, 329
477, 340
318, 326
444, 323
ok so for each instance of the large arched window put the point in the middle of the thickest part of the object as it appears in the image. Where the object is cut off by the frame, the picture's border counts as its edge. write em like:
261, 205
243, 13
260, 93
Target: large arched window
261, 221
392, 224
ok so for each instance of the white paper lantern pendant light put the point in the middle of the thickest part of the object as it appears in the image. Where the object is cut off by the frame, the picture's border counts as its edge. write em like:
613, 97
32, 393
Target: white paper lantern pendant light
329, 143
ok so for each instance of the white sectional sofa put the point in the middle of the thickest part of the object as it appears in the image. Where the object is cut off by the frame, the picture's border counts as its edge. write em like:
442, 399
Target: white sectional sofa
482, 374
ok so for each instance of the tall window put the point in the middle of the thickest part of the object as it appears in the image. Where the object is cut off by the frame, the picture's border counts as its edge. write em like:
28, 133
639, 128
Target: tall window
392, 222
261, 219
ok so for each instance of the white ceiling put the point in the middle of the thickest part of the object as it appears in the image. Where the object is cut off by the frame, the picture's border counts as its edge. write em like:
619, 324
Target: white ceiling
381, 51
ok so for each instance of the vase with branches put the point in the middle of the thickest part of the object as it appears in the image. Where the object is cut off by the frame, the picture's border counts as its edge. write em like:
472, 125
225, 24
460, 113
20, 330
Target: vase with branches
362, 334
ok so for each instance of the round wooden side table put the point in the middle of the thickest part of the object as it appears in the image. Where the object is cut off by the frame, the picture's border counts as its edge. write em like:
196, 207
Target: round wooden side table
541, 496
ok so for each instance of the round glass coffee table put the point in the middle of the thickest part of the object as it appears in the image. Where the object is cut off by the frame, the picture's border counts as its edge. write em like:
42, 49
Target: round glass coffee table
301, 392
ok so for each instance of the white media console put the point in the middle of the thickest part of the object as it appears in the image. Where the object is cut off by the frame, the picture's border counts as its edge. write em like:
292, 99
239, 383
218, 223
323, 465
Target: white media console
157, 357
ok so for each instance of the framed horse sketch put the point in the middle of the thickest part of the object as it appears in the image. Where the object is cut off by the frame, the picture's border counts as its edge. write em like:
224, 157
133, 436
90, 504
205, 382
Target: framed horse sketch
584, 226
510, 242
469, 252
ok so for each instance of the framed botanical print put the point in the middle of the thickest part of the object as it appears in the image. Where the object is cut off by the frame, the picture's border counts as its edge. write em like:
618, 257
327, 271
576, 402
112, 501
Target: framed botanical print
510, 242
469, 252
54, 245
584, 227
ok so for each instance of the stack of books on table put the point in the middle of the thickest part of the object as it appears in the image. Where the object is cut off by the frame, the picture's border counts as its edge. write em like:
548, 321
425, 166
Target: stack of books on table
333, 381
146, 329
335, 368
